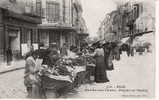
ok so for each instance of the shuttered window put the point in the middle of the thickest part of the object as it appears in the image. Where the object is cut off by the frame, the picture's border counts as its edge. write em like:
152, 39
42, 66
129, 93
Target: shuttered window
26, 35
38, 7
34, 36
52, 11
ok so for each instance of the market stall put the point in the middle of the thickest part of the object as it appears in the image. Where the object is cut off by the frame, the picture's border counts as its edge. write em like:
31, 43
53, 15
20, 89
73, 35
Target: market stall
67, 74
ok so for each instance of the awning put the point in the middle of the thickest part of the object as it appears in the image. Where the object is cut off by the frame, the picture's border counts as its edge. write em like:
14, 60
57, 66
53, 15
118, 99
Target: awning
124, 40
83, 34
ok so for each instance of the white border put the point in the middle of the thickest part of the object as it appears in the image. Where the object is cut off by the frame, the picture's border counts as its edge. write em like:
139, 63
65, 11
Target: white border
157, 64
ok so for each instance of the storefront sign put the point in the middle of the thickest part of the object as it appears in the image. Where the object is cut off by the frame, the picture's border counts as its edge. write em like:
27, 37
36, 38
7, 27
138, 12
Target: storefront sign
13, 34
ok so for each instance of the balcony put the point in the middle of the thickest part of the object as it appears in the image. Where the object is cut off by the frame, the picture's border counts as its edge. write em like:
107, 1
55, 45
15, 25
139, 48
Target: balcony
22, 17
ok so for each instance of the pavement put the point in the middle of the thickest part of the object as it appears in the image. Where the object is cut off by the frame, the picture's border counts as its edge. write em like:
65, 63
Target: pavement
16, 65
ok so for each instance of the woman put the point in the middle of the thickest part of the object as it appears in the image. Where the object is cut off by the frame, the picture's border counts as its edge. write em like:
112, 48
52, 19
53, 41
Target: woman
31, 78
100, 69
108, 48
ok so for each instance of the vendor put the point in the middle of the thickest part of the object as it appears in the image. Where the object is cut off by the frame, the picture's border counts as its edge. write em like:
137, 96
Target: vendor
64, 50
53, 55
31, 78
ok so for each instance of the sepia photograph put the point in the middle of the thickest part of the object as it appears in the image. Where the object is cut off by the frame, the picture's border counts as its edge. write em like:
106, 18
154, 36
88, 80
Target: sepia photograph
59, 49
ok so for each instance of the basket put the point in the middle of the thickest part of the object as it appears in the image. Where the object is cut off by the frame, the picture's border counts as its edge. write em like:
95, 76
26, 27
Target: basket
54, 84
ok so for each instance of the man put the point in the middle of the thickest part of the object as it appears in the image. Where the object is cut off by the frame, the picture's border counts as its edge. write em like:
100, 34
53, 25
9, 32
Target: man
9, 56
53, 55
64, 50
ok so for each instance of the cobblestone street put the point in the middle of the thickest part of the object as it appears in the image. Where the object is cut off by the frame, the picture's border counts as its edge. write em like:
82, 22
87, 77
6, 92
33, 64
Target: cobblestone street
126, 73
12, 85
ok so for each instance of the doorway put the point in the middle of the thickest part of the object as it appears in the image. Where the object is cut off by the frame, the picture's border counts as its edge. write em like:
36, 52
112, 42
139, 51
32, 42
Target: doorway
14, 43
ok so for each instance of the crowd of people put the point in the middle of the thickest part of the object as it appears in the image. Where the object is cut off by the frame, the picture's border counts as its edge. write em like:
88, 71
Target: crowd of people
51, 56
36, 60
102, 56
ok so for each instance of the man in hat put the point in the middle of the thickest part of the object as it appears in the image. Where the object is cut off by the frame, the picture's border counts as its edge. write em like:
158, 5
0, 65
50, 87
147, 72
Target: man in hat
64, 50
53, 54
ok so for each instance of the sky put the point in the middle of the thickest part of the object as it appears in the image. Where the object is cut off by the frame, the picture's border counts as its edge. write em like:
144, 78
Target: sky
94, 12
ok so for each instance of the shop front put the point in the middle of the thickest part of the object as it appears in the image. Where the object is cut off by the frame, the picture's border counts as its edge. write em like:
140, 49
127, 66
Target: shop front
14, 41
49, 34
19, 32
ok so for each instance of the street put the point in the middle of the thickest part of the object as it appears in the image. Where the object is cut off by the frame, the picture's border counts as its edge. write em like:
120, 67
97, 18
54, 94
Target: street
136, 72
12, 85
130, 73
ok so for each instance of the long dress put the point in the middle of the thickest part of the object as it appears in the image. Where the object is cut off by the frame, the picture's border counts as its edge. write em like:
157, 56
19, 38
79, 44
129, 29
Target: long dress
31, 79
100, 69
108, 58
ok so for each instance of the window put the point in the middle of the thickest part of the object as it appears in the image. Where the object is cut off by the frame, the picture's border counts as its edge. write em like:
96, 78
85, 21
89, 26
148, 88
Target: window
52, 11
26, 35
34, 36
38, 8
136, 10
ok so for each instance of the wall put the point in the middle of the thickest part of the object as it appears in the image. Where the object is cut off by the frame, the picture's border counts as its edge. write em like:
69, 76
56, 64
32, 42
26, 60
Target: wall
1, 38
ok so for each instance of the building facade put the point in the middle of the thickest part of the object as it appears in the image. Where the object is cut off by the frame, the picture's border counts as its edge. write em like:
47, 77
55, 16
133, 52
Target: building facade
18, 27
146, 20
130, 18
60, 22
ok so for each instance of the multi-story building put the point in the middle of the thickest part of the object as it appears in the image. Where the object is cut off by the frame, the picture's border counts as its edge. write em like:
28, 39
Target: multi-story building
60, 22
18, 27
130, 18
108, 30
146, 20
104, 27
